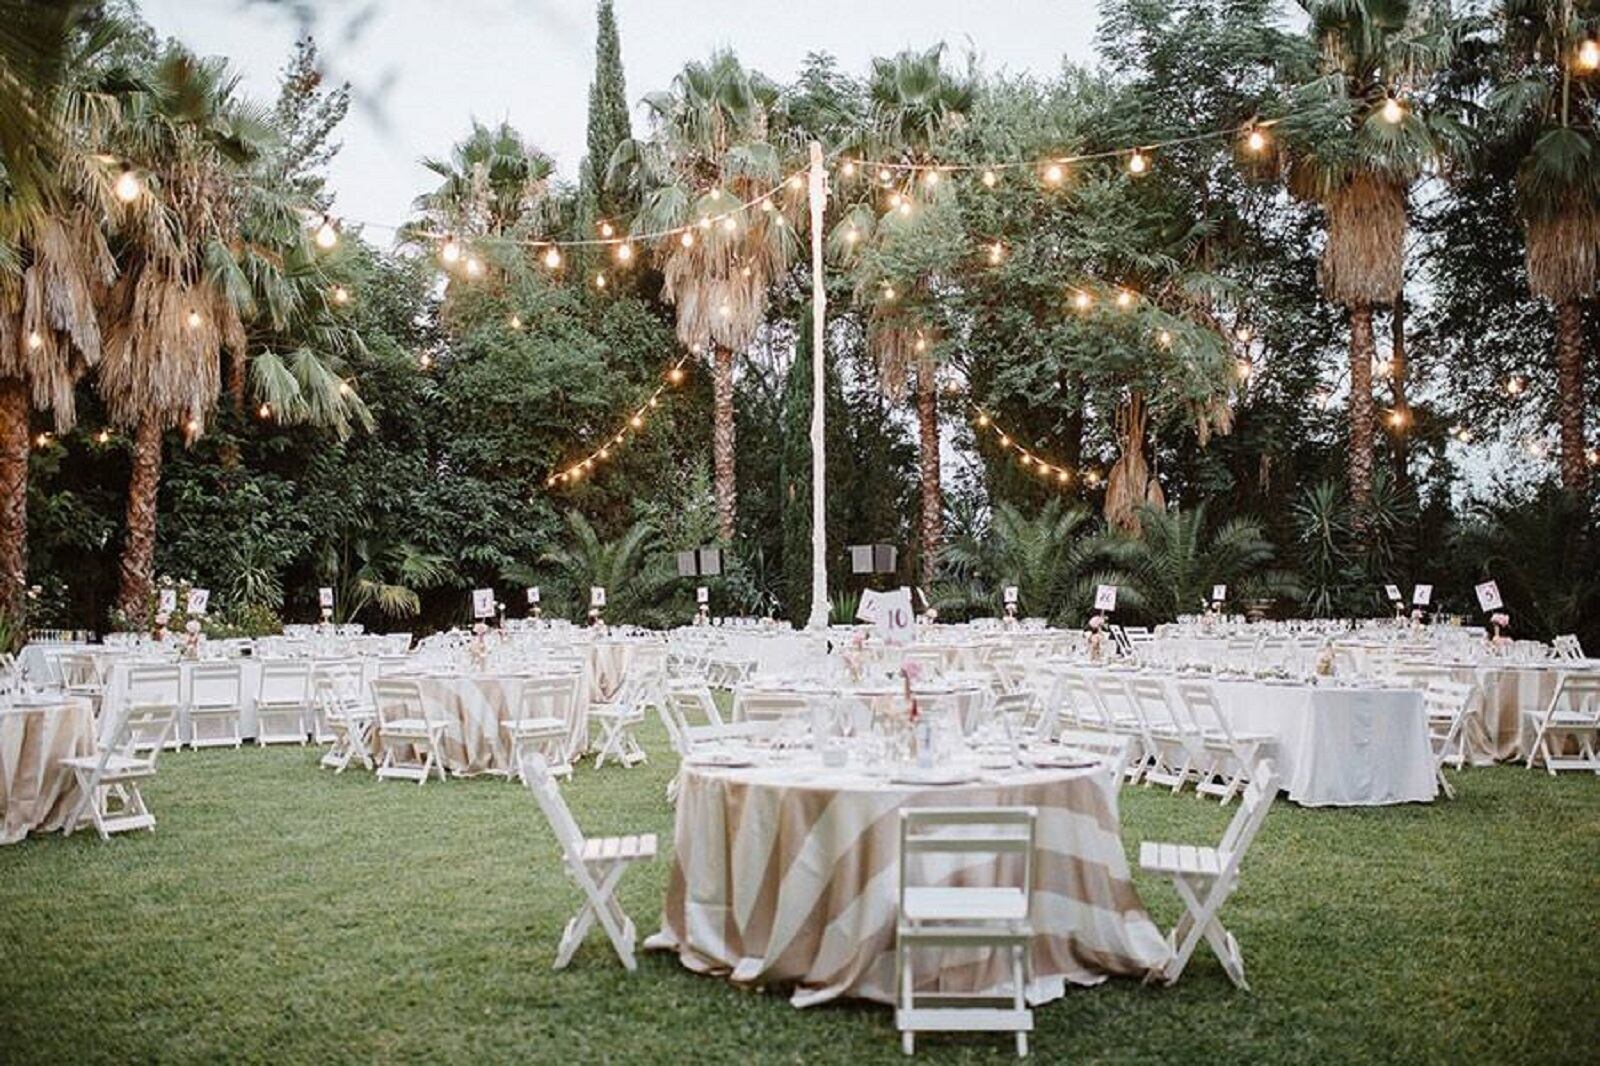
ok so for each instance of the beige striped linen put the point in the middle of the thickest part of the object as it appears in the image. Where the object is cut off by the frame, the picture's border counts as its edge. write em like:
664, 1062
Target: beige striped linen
477, 708
37, 793
788, 877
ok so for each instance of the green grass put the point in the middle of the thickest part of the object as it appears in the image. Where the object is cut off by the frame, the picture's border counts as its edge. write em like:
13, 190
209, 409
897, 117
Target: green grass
282, 914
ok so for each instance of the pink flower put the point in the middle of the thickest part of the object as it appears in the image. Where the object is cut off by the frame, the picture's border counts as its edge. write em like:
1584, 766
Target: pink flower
479, 629
911, 670
1500, 618
1097, 621
191, 626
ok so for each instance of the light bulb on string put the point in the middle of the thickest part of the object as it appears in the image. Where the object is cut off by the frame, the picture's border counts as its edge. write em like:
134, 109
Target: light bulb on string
686, 239
607, 229
655, 401
983, 419
552, 258
1005, 441
1082, 300
1124, 298
675, 375
931, 178
127, 187
905, 206
884, 175
450, 251
889, 293
474, 267
851, 235
624, 252
42, 440
705, 221
637, 422
1588, 58
516, 322
922, 343
344, 388
104, 436
193, 319
997, 252
795, 182
1397, 418
193, 426
895, 200
600, 281
425, 361
35, 340
989, 179
341, 295
326, 236
1053, 174
847, 169
1392, 111
1515, 385
1138, 163
1164, 338
729, 223
1255, 140
1063, 477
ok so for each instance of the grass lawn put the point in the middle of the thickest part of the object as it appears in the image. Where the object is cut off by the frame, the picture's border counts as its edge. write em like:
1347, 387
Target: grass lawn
280, 913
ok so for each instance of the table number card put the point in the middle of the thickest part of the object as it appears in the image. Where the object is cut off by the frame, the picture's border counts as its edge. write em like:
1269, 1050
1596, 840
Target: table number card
324, 596
1105, 597
1011, 595
895, 617
198, 598
1422, 595
870, 607
167, 601
702, 595
483, 603
1489, 596
533, 595
597, 596
1219, 593
1393, 592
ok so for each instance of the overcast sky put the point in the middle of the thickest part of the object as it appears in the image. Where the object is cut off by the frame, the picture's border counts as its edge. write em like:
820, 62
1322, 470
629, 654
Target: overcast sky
434, 66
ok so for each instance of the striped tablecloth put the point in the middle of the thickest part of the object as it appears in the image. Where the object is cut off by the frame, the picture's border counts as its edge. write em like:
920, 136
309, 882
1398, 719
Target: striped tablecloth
478, 706
789, 876
37, 793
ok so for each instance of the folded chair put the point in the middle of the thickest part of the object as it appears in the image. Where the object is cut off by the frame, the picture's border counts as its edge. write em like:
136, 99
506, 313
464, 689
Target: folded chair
1572, 715
1447, 704
595, 863
1204, 877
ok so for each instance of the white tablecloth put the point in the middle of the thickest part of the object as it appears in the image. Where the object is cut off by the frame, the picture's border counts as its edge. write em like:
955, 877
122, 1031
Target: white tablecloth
1338, 745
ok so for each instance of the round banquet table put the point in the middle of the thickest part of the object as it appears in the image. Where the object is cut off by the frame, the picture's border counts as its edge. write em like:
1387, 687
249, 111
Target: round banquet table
37, 793
477, 706
789, 875
966, 694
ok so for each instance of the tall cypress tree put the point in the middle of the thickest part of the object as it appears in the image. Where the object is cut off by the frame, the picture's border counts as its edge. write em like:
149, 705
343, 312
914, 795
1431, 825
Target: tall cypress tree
608, 106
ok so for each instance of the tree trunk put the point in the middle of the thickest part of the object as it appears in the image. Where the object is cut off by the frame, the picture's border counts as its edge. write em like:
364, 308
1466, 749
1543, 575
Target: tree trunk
1359, 462
1569, 388
236, 374
722, 443
139, 549
928, 463
14, 444
1402, 437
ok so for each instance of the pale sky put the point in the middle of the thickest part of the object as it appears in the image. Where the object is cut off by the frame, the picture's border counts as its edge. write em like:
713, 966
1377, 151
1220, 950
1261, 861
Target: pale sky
531, 61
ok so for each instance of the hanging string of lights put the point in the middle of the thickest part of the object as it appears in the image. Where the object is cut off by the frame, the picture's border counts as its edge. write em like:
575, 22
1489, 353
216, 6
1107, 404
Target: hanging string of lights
576, 471
1059, 473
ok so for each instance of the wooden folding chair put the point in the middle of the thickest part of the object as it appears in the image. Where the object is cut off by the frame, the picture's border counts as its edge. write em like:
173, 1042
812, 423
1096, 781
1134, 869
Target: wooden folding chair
1179, 750
617, 720
1204, 877
935, 914
1571, 716
215, 692
542, 723
1114, 749
348, 721
283, 697
595, 863
158, 686
1233, 753
109, 779
403, 724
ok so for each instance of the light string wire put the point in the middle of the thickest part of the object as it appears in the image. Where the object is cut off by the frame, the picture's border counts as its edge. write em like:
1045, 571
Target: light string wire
575, 471
1028, 458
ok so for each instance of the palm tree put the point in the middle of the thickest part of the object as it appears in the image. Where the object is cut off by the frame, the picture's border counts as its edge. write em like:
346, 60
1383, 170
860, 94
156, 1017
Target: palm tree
913, 103
1049, 556
637, 578
710, 150
1356, 146
1548, 119
1172, 566
182, 295
54, 264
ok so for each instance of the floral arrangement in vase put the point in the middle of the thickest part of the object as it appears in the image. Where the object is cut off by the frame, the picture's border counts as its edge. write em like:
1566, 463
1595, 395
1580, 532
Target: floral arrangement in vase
478, 649
1417, 620
1097, 638
1499, 621
158, 632
192, 639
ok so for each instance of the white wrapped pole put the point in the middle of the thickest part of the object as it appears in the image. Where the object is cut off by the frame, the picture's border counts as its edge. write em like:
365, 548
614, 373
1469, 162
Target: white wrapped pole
819, 306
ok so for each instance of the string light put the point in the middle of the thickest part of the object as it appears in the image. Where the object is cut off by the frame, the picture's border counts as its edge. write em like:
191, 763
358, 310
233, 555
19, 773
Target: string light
1124, 299
895, 199
607, 229
326, 236
264, 412
1255, 140
989, 179
847, 169
851, 235
42, 440
341, 295
889, 293
1393, 111
1082, 300
516, 322
1053, 174
624, 252
552, 257
729, 223
450, 251
1398, 418
1026, 458
1164, 338
425, 361
104, 436
35, 340
1137, 163
1589, 55
1462, 434
474, 267
193, 319
1515, 385
675, 375
127, 187
905, 207
193, 426
884, 175
687, 239
931, 178
599, 281
997, 252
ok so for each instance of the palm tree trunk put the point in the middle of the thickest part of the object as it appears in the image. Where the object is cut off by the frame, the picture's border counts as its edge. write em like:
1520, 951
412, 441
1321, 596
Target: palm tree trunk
139, 549
1402, 450
14, 408
928, 462
1569, 388
1359, 463
236, 370
722, 443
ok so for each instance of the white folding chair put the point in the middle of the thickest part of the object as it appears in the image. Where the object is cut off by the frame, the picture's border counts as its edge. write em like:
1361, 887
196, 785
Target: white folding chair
404, 725
1447, 704
542, 722
769, 707
154, 686
1204, 877
1114, 749
1571, 717
1025, 714
349, 721
937, 914
80, 676
1566, 646
215, 692
595, 863
1234, 753
283, 698
617, 720
1121, 715
109, 779
1179, 750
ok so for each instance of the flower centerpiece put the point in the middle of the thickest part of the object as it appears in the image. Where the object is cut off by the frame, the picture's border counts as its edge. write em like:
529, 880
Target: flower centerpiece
192, 639
854, 656
159, 631
478, 649
916, 731
1500, 621
1324, 664
1097, 638
1418, 622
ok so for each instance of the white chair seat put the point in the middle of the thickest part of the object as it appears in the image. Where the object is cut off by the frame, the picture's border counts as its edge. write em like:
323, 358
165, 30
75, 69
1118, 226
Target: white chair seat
616, 711
406, 727
117, 767
925, 903
1181, 859
537, 727
609, 849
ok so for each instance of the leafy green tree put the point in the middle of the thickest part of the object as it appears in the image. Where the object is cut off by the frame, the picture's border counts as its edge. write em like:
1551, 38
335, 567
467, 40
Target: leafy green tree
1177, 559
1052, 557
639, 580
609, 125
